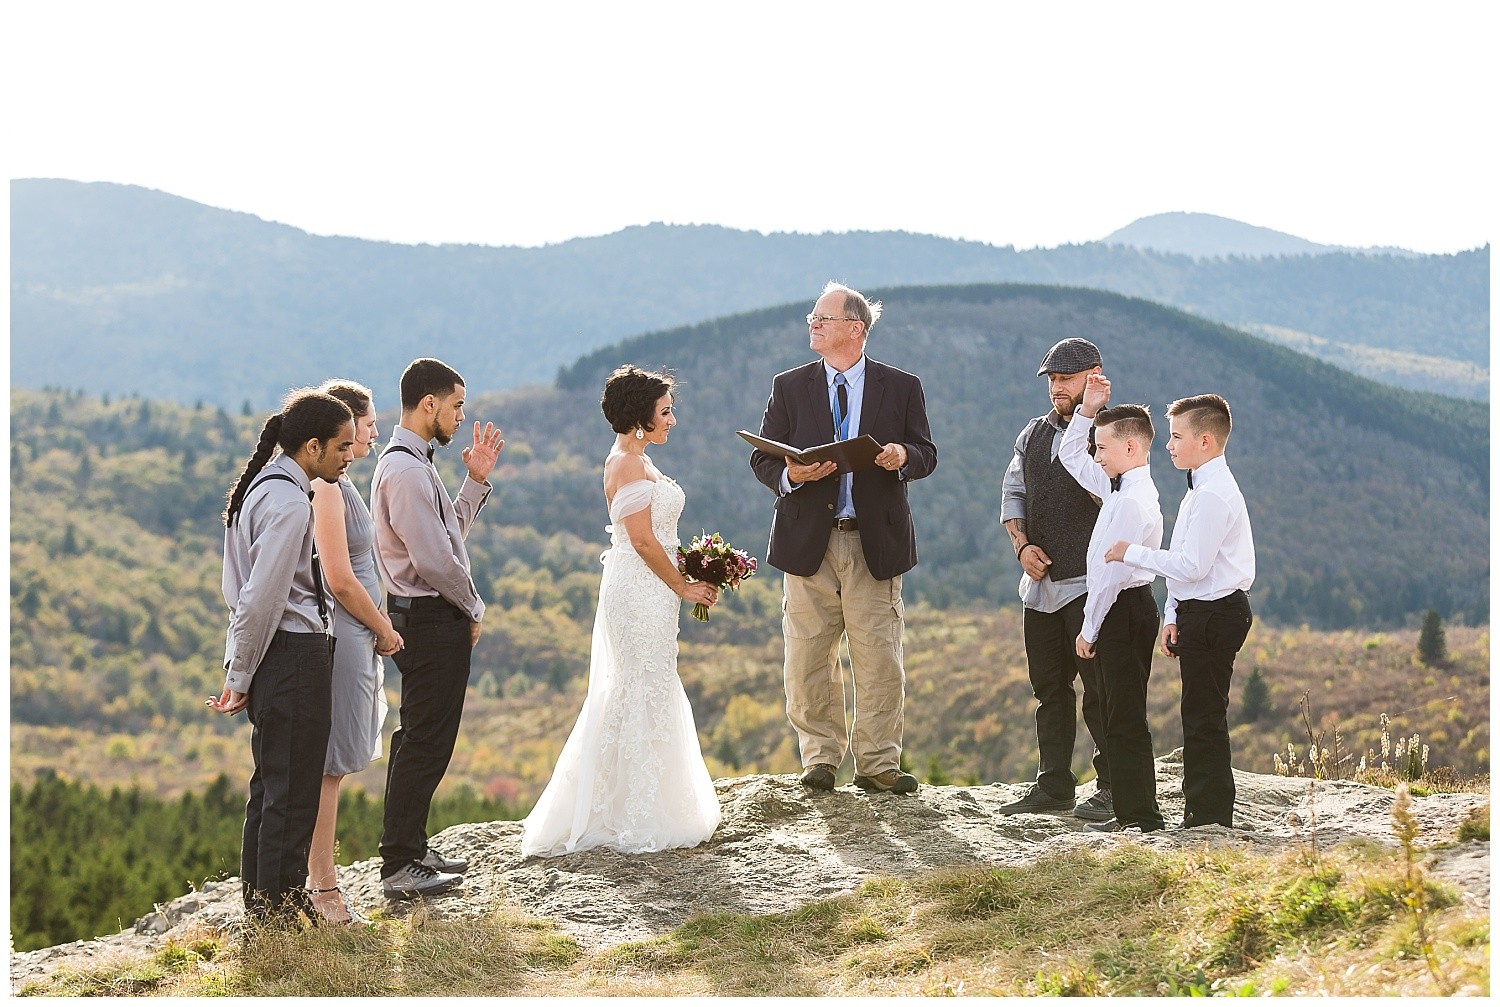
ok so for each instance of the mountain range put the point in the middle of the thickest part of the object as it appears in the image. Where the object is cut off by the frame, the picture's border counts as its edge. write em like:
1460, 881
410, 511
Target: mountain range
1206, 236
118, 289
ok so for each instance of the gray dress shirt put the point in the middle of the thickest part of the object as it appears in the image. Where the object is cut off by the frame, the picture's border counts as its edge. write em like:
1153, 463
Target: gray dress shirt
1045, 595
268, 582
419, 532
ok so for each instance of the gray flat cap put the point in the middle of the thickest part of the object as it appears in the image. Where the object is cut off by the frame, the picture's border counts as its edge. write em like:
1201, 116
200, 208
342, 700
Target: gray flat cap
1071, 356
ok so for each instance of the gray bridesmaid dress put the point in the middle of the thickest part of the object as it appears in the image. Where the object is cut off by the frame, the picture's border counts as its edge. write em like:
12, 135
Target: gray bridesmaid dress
359, 705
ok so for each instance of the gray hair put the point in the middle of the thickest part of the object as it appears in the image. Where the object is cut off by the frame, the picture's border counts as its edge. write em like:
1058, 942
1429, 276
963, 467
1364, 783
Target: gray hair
855, 304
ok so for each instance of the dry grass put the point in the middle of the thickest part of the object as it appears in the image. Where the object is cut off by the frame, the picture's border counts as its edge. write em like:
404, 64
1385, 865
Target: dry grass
1130, 920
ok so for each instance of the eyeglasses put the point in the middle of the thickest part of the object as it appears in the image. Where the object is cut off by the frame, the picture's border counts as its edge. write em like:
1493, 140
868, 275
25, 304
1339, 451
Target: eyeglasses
815, 319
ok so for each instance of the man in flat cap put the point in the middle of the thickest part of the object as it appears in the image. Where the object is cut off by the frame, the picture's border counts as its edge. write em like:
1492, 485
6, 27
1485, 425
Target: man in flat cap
1049, 518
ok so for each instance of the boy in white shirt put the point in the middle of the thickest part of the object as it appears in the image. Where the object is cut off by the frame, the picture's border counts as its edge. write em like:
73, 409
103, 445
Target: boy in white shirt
1119, 617
1208, 570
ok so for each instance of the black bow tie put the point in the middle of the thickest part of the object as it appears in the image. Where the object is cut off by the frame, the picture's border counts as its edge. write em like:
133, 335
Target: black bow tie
1190, 479
430, 449
1114, 482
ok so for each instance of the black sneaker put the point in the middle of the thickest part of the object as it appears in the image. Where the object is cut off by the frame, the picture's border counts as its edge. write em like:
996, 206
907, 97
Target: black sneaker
1038, 802
448, 865
1110, 826
1099, 808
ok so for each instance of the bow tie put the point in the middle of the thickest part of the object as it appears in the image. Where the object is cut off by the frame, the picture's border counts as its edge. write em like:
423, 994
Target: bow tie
1114, 482
1190, 479
430, 449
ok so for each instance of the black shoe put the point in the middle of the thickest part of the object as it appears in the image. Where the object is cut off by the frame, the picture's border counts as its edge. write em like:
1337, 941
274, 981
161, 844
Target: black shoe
447, 865
1037, 802
818, 777
1099, 808
1110, 826
1189, 822
892, 781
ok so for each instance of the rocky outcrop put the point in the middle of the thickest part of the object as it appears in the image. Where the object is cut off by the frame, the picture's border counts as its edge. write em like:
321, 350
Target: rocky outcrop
779, 847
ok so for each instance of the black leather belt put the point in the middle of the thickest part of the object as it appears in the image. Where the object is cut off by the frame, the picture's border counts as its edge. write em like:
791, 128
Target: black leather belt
1232, 599
846, 524
427, 608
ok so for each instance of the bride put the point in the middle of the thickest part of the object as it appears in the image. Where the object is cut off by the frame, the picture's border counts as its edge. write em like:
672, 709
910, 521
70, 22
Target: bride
631, 776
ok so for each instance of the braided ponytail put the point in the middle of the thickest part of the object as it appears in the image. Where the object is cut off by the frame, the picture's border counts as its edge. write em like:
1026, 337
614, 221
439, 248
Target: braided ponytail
306, 414
264, 449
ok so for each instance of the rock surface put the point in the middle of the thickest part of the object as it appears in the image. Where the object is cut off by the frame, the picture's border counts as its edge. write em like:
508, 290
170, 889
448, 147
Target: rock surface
779, 847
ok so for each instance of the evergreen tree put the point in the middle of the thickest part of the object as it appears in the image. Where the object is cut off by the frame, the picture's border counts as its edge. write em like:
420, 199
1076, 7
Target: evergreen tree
1432, 645
1255, 702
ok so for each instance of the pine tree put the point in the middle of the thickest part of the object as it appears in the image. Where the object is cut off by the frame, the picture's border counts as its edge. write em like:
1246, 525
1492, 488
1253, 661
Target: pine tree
1255, 702
1432, 645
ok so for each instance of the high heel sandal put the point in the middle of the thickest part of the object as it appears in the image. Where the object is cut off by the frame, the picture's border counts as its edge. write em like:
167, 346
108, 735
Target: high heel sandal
354, 916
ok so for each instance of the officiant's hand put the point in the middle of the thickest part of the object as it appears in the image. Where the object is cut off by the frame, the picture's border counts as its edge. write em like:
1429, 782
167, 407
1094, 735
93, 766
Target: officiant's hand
480, 458
810, 473
229, 702
891, 457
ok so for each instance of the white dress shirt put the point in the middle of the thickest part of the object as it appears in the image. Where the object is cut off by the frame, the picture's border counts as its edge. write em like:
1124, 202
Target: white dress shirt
1213, 553
1132, 513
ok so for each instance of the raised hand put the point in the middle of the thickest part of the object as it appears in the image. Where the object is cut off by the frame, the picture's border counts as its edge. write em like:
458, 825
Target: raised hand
1095, 395
481, 456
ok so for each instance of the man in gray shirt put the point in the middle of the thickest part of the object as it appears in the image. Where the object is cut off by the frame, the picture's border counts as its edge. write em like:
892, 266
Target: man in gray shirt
1049, 518
277, 657
419, 547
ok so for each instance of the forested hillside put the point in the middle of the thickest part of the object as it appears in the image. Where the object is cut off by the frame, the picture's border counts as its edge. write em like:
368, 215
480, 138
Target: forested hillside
1370, 507
125, 290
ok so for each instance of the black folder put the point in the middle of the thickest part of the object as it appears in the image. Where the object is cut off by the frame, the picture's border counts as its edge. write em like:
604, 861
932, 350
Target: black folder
853, 455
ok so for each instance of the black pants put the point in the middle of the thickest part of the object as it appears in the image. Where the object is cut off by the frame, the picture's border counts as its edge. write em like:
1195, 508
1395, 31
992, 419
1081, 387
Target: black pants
434, 668
1052, 662
291, 709
1123, 651
1209, 635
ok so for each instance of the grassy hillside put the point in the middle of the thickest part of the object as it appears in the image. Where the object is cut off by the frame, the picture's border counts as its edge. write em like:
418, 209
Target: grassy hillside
189, 289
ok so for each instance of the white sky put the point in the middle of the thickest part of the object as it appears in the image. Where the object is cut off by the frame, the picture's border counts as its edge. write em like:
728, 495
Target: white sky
1024, 123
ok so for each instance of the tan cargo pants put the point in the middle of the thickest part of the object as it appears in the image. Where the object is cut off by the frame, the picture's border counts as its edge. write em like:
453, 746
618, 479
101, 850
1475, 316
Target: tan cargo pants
817, 611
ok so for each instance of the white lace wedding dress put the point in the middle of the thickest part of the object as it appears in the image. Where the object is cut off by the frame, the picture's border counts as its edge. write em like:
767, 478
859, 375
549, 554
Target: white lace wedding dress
631, 775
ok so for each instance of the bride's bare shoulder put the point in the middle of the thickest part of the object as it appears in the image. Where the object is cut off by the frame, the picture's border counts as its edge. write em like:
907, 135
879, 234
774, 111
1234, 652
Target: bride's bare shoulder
621, 467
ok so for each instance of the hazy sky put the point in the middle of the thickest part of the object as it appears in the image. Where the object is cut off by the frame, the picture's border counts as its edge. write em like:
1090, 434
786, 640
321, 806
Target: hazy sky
1013, 123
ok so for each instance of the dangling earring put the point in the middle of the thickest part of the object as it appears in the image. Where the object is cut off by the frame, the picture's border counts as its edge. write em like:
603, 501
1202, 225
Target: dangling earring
640, 433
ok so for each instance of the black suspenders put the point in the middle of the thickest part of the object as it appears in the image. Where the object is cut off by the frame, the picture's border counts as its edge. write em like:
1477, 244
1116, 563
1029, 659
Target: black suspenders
317, 567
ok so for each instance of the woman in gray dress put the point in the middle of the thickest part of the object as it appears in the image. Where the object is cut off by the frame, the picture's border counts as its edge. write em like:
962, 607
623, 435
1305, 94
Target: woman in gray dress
345, 535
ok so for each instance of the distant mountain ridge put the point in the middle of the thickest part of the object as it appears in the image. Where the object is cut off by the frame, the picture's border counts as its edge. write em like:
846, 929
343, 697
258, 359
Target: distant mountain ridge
1207, 235
118, 289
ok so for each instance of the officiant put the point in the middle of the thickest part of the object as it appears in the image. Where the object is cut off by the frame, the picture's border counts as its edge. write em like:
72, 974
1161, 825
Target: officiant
844, 539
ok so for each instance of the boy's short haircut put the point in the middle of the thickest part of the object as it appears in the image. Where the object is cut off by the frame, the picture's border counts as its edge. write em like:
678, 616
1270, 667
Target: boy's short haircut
1128, 421
427, 376
1205, 414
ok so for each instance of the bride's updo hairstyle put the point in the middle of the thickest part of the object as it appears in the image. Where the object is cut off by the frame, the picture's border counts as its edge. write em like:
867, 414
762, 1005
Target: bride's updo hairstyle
630, 397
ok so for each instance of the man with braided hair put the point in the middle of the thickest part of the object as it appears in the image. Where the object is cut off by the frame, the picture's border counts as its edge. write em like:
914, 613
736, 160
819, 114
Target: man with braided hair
278, 659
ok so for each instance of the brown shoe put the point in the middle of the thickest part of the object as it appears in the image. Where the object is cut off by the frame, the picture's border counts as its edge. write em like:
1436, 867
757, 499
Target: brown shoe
818, 777
892, 781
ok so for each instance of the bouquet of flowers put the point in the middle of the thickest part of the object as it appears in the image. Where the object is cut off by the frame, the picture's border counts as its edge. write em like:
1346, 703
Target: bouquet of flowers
710, 559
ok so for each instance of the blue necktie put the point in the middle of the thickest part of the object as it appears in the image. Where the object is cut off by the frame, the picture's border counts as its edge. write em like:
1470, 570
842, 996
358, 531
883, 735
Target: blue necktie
841, 421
